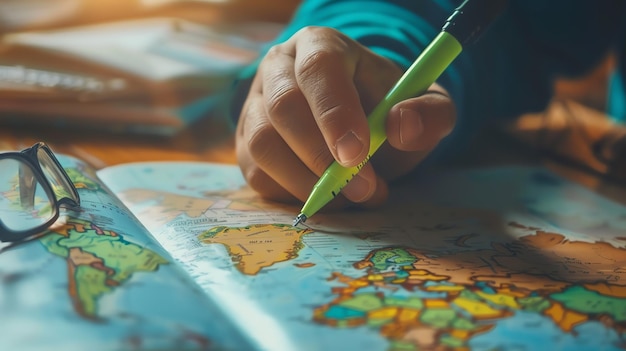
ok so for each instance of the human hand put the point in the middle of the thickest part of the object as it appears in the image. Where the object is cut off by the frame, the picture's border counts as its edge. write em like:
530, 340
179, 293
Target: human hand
308, 105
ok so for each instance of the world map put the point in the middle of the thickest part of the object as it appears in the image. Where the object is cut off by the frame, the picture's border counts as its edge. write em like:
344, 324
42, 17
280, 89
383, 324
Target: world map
185, 256
443, 273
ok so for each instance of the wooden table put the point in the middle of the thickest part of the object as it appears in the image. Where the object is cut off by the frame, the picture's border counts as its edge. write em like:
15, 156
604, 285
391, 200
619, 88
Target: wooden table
209, 140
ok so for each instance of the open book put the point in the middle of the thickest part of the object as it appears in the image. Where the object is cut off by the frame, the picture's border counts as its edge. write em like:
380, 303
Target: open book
176, 256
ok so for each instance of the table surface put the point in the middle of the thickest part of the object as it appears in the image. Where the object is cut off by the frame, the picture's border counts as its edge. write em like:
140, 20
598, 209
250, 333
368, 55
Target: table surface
207, 140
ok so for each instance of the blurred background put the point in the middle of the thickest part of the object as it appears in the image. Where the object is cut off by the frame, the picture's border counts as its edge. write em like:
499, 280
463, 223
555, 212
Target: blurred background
142, 66
19, 15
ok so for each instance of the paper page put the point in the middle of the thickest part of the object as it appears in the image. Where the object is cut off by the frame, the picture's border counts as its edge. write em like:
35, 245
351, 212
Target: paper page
502, 258
99, 281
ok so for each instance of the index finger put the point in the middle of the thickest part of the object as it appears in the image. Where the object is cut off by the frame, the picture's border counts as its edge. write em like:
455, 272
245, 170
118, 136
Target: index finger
325, 65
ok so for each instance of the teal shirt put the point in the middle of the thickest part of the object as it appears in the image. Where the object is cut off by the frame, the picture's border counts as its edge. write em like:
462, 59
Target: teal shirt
509, 71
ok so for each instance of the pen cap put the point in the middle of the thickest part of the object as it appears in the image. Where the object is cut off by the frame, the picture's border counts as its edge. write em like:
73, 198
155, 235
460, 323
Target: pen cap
471, 18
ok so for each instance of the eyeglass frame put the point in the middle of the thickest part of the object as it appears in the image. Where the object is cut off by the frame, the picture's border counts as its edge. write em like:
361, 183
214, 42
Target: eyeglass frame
29, 156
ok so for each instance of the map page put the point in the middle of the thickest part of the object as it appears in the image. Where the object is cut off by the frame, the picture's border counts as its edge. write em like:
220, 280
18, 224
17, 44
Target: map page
487, 259
98, 281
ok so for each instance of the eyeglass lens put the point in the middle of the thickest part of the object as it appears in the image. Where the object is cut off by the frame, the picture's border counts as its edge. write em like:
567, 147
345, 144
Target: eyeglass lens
57, 180
24, 202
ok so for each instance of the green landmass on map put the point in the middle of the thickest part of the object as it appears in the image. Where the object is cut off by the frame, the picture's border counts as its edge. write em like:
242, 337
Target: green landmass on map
98, 261
82, 181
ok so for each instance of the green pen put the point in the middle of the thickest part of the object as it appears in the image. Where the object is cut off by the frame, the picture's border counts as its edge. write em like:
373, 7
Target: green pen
461, 28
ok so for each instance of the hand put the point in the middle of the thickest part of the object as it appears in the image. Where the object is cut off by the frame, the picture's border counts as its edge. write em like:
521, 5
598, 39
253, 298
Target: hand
308, 105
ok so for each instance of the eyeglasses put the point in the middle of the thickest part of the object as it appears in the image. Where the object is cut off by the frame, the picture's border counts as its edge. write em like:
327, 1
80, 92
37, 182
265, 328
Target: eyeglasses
33, 188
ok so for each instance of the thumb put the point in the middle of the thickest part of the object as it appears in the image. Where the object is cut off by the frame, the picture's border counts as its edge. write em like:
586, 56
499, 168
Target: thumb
418, 124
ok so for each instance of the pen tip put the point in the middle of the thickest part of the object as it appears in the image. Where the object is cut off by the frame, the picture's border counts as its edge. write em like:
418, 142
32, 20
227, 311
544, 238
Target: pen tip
301, 218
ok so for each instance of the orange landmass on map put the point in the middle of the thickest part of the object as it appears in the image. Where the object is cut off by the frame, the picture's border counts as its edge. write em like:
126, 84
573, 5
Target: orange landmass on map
257, 246
607, 289
564, 318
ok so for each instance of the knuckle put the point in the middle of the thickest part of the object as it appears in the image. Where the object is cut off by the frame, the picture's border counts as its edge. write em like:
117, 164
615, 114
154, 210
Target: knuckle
255, 176
281, 100
273, 55
309, 66
317, 32
256, 179
260, 140
321, 158
328, 111
275, 50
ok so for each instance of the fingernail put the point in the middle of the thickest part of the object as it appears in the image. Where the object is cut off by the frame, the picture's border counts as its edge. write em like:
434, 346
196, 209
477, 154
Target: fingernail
348, 147
411, 126
358, 189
